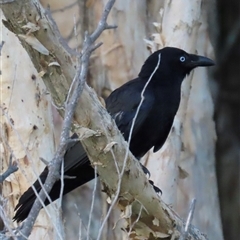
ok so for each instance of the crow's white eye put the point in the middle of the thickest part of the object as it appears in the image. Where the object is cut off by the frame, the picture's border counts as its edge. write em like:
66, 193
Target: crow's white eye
182, 59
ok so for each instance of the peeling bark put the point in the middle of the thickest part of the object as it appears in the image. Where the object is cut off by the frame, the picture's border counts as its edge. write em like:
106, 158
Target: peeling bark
185, 167
26, 127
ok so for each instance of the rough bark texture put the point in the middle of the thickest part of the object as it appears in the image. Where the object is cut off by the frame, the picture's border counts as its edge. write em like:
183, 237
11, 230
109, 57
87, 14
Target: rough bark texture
26, 127
185, 167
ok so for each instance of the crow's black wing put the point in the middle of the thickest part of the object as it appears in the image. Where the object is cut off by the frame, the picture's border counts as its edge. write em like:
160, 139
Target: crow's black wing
76, 165
75, 156
122, 104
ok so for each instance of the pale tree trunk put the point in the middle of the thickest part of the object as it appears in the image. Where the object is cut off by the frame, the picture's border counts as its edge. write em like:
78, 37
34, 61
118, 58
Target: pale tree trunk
26, 128
185, 167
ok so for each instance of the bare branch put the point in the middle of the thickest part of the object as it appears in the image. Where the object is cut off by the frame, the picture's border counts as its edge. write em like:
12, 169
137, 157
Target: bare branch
111, 26
102, 25
6, 1
190, 215
80, 77
5, 220
1, 46
189, 220
44, 161
93, 199
137, 219
65, 8
48, 14
12, 167
120, 174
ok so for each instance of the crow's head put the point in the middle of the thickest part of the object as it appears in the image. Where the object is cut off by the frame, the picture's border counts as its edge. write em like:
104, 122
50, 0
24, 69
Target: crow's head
172, 62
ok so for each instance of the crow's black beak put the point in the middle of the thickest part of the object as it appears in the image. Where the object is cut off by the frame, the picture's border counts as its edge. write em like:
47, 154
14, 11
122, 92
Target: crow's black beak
199, 61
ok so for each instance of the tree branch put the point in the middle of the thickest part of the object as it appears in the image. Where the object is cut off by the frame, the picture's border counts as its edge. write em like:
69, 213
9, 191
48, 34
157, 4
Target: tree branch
12, 167
80, 79
1, 46
155, 218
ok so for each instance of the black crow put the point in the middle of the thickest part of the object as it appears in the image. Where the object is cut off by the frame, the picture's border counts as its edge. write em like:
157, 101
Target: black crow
161, 77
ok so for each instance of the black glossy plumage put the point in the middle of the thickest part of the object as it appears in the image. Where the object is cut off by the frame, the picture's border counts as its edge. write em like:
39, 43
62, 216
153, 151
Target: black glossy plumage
152, 126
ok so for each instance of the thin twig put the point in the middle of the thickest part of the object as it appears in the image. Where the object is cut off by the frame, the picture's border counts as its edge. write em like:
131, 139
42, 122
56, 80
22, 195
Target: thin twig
55, 29
3, 138
12, 167
6, 1
13, 81
73, 33
29, 158
102, 25
127, 151
57, 107
1, 46
92, 204
81, 76
60, 224
62, 184
65, 8
189, 220
142, 99
6, 221
71, 88
75, 27
132, 225
81, 224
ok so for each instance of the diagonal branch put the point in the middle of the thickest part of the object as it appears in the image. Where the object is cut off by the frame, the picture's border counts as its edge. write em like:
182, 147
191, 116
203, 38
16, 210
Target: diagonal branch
80, 79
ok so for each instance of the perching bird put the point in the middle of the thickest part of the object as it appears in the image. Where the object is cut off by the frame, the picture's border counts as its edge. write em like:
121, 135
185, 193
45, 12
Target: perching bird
161, 76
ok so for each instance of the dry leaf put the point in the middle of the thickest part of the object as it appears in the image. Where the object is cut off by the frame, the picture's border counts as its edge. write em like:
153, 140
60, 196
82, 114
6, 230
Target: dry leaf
157, 25
161, 235
32, 41
97, 163
41, 73
109, 199
143, 229
182, 173
109, 147
54, 64
127, 213
86, 133
31, 26
155, 222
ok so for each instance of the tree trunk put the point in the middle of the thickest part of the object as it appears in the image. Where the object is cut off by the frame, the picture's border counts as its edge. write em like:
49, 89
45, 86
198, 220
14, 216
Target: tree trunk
185, 167
26, 128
